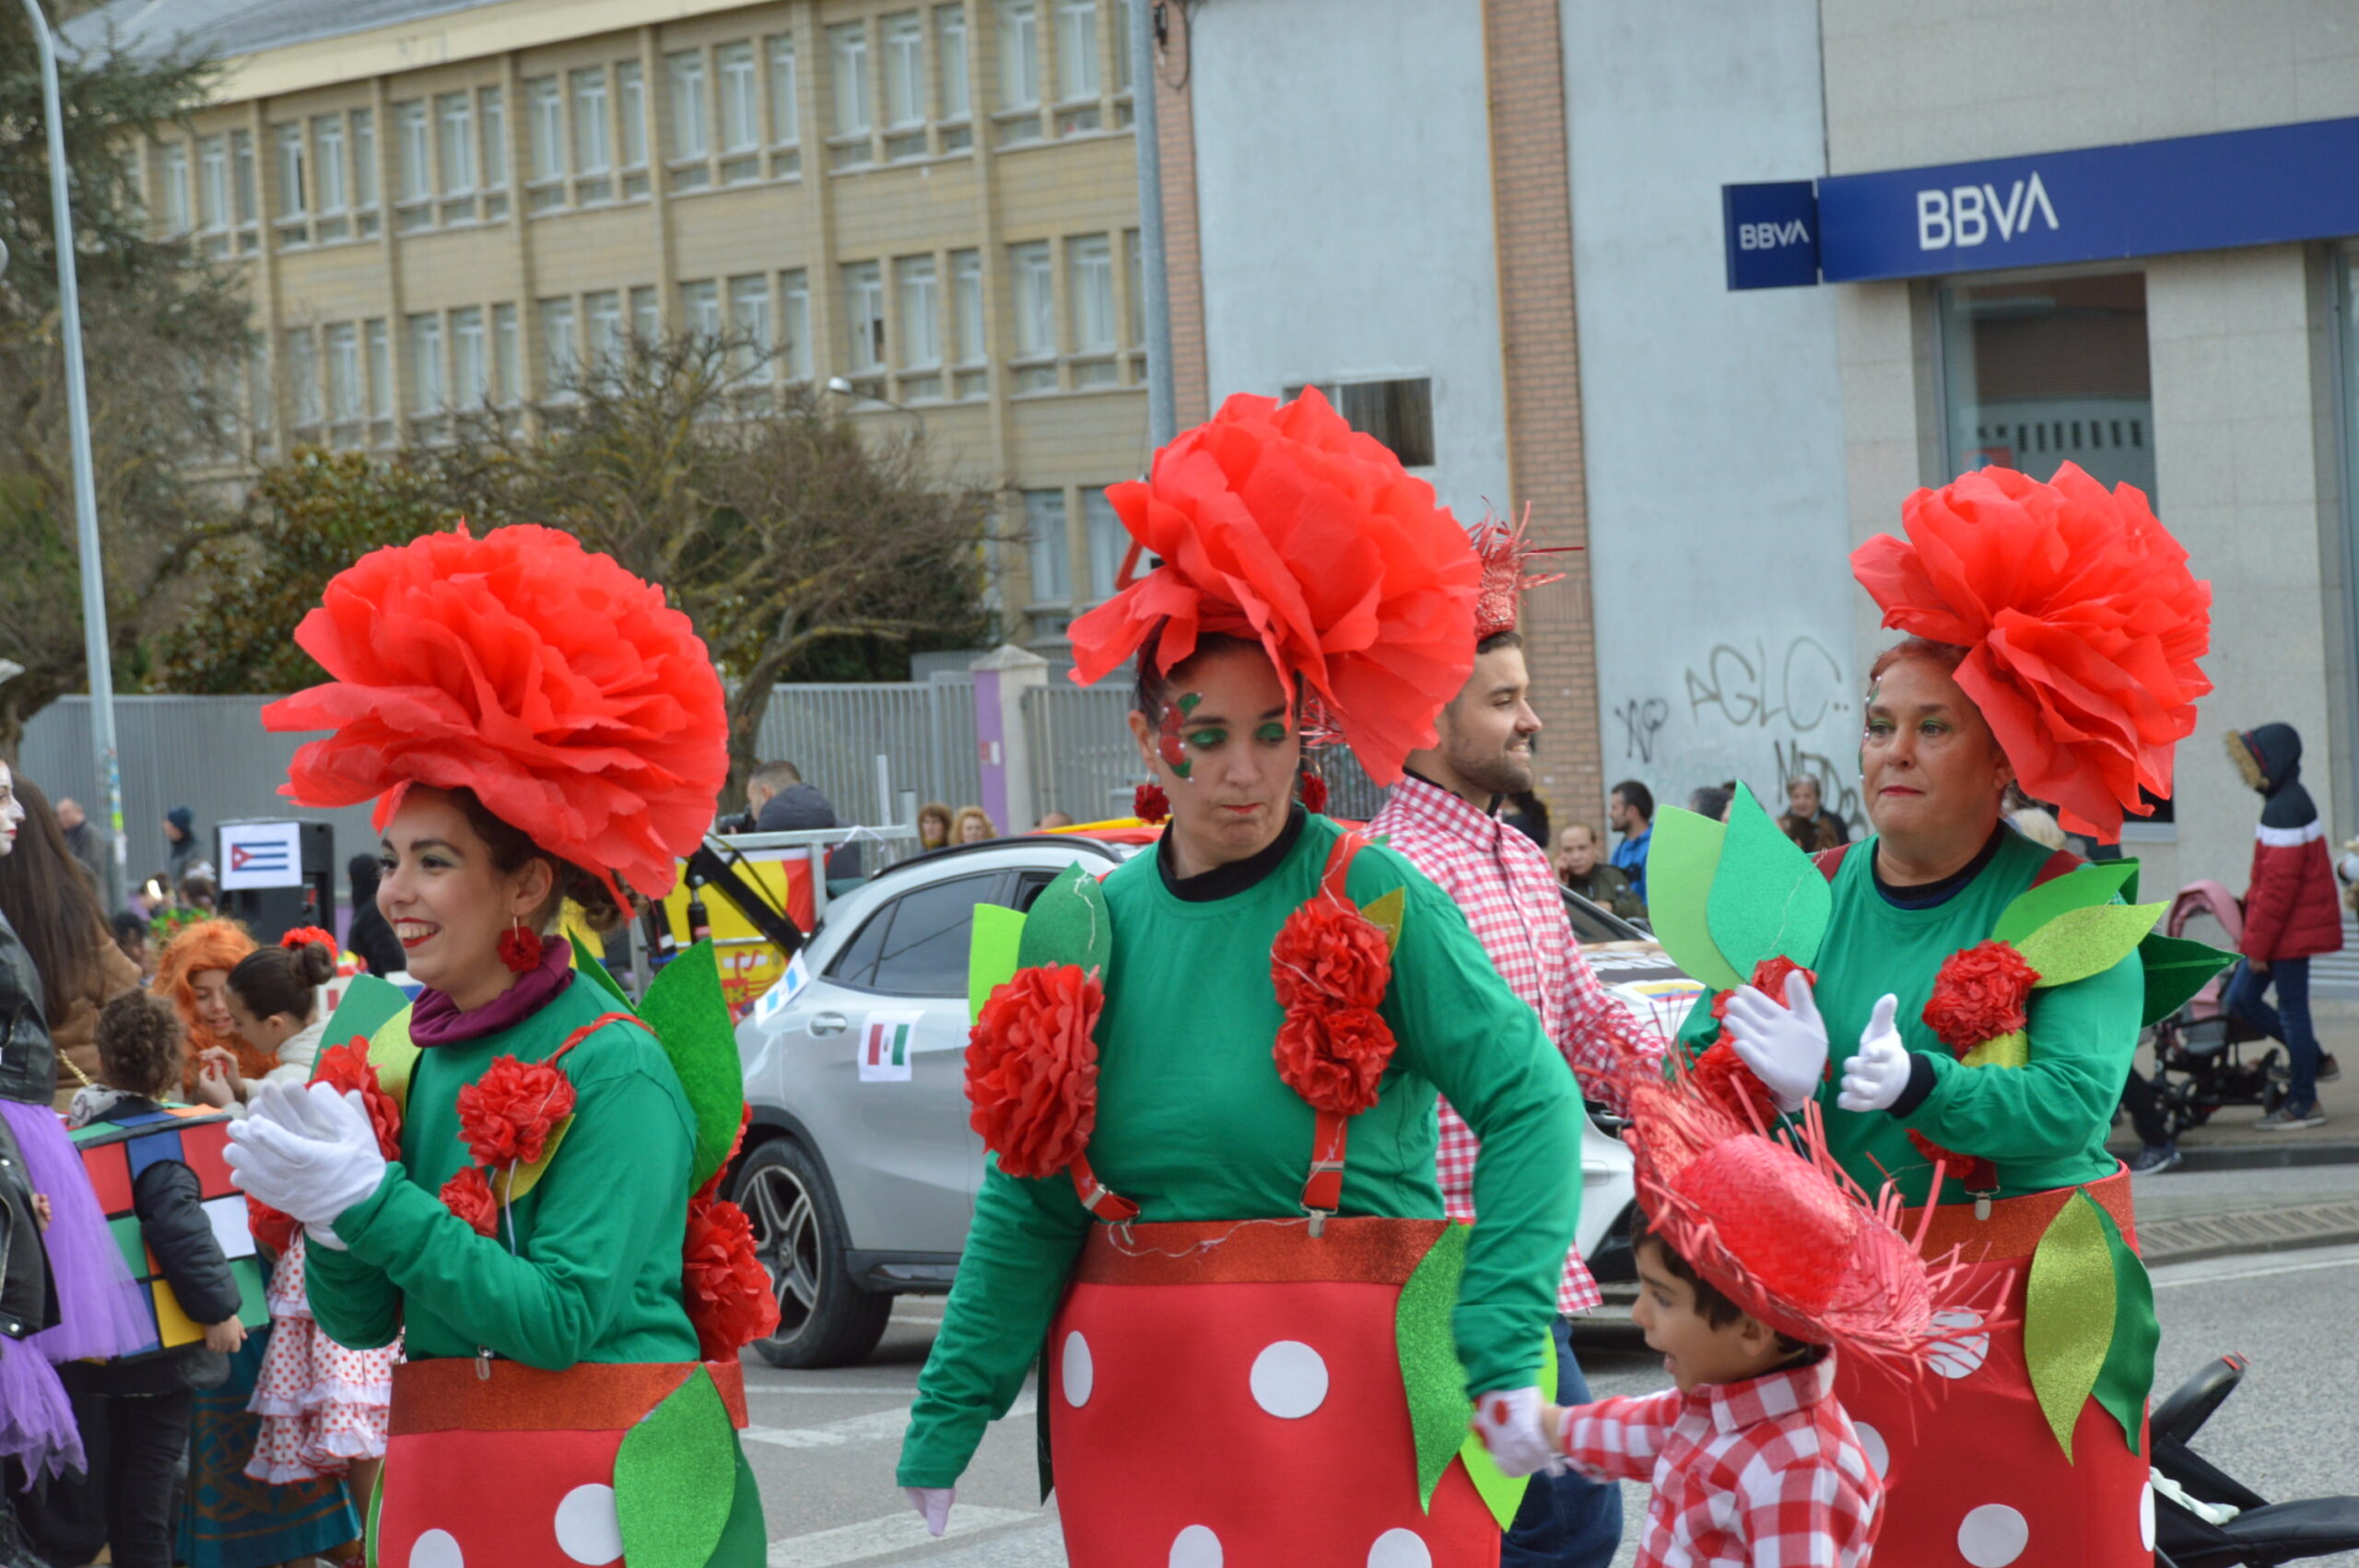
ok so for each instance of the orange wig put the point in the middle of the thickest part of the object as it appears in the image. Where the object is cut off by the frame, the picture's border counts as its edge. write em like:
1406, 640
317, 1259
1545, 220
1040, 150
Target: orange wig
209, 944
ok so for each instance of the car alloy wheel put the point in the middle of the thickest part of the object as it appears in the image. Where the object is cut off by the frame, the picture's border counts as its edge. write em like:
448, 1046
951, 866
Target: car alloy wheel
786, 1239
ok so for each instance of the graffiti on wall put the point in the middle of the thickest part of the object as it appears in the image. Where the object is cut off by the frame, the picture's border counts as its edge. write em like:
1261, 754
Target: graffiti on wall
1760, 711
1642, 719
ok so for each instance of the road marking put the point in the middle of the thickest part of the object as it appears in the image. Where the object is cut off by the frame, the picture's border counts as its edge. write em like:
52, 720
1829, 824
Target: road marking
878, 1537
2218, 1271
902, 1392
882, 1426
917, 1319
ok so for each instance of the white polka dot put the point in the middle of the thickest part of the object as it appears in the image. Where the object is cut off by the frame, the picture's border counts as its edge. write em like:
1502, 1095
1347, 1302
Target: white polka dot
1080, 1373
1195, 1546
1871, 1443
1963, 1353
437, 1549
1993, 1536
1398, 1549
2146, 1517
587, 1529
1289, 1379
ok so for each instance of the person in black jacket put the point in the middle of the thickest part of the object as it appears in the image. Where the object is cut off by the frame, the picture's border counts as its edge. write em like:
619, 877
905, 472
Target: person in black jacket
370, 936
135, 1411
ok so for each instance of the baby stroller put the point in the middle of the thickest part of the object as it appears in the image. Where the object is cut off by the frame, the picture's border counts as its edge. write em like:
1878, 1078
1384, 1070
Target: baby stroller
2198, 1050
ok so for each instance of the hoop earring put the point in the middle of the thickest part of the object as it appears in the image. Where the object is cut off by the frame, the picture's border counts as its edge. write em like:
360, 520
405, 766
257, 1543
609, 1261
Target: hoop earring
520, 946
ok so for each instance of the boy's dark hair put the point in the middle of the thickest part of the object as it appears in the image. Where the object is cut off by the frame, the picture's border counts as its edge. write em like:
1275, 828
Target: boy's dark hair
139, 1043
1710, 1304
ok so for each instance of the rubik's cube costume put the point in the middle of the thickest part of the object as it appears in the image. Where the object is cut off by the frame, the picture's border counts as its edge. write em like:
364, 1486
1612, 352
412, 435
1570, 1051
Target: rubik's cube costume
117, 1152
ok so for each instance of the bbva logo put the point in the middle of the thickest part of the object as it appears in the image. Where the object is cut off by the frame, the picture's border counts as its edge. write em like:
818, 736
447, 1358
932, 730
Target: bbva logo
1964, 214
1772, 236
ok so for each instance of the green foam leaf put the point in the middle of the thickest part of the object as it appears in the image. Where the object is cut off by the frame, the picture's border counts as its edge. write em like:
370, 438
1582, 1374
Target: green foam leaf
588, 963
1503, 1493
670, 1496
1388, 912
1068, 924
1430, 1370
2081, 943
2175, 969
990, 954
685, 1010
2069, 1312
1681, 858
368, 1002
2128, 1375
1766, 899
2081, 889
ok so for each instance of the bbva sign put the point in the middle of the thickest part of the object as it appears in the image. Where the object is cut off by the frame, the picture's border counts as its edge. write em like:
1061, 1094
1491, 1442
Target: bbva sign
1964, 216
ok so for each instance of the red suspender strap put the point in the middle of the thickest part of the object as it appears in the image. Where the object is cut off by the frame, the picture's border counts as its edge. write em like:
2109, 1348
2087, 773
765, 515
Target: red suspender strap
591, 1028
1097, 1197
1322, 1195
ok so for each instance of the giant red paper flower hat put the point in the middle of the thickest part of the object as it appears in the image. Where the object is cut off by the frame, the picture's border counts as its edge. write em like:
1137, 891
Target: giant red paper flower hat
1280, 524
562, 690
2083, 624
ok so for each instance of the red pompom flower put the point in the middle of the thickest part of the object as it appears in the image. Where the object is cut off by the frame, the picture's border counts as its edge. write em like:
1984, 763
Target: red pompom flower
345, 1068
468, 1195
1032, 1068
1979, 994
273, 1229
508, 1114
1721, 1073
722, 1283
1150, 804
303, 936
1314, 792
1328, 954
1335, 1056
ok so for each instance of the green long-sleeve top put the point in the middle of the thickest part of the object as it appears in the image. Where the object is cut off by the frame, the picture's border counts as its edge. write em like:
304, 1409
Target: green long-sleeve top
2043, 1125
1194, 1124
596, 1272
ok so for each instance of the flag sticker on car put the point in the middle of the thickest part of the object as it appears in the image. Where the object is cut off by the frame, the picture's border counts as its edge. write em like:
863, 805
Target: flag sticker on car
886, 1040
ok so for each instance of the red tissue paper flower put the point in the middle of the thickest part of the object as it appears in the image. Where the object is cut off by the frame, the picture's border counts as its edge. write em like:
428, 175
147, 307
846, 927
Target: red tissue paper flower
1150, 804
1979, 993
468, 1195
722, 1283
1032, 1068
562, 690
303, 936
346, 1067
1329, 954
507, 1114
1281, 524
1721, 1073
2082, 622
1335, 1056
273, 1229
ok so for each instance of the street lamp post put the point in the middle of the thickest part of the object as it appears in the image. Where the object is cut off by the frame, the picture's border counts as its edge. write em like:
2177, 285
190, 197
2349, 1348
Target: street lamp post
95, 642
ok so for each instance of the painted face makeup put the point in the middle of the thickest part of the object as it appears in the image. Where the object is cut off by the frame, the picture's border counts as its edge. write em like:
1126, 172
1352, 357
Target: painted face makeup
1178, 746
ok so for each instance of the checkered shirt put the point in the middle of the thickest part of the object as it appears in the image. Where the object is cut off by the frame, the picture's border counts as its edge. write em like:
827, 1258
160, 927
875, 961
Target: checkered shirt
1768, 1473
1509, 895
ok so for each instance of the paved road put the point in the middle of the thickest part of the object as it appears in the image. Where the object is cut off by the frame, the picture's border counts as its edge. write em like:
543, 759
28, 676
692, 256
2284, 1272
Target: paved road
825, 1441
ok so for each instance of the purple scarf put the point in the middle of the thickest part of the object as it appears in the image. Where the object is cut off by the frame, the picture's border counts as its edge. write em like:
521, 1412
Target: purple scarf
436, 1020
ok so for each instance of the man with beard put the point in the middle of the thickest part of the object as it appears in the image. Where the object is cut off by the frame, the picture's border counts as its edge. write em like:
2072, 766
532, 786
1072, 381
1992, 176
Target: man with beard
1443, 816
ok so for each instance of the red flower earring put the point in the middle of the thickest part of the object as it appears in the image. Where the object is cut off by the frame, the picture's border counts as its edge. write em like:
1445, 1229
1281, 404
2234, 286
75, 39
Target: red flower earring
1314, 792
520, 946
1150, 804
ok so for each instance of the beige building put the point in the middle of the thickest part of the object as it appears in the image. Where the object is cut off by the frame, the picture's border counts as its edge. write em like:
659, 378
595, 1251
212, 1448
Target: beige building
929, 206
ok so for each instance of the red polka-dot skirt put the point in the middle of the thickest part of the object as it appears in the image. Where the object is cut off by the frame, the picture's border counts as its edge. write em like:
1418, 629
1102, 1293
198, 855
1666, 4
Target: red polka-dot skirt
321, 1406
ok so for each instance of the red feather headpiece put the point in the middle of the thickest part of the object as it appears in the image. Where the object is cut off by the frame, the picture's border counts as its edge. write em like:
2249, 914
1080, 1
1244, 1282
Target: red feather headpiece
1280, 524
2082, 624
578, 707
1505, 548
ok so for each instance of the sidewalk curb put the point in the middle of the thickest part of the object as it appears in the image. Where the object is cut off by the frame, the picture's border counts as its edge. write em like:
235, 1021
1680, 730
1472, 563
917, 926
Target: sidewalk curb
2259, 1156
2193, 1238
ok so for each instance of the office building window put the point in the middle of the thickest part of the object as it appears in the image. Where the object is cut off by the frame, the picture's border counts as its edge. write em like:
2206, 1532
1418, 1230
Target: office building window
172, 206
303, 378
1108, 540
1398, 412
412, 168
690, 114
609, 344
347, 387
1076, 49
1122, 47
848, 79
492, 108
749, 320
1035, 315
967, 314
592, 153
261, 412
921, 312
1090, 286
1019, 55
904, 37
560, 347
950, 60
2038, 374
212, 185
427, 394
700, 310
794, 324
786, 94
470, 361
741, 101
364, 159
865, 316
630, 103
287, 144
455, 116
1049, 555
506, 355
328, 141
381, 372
646, 314
244, 191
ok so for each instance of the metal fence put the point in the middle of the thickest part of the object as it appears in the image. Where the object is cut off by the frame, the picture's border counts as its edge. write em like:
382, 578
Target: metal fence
834, 733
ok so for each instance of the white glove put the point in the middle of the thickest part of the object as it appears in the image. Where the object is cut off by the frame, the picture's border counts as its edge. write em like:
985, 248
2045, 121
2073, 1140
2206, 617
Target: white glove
1508, 1422
308, 1153
1873, 1080
932, 1504
1785, 1046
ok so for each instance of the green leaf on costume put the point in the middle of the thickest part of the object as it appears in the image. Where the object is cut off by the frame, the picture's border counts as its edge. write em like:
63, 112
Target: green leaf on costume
368, 1004
1681, 860
990, 954
2081, 943
1068, 923
1503, 1493
685, 1010
2128, 1375
1430, 1370
2175, 969
1767, 900
2069, 1313
2084, 888
1388, 914
394, 1056
587, 963
669, 1497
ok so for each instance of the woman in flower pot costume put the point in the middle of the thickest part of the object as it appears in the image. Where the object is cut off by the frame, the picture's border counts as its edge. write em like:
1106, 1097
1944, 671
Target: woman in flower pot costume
1217, 1070
519, 1170
1981, 994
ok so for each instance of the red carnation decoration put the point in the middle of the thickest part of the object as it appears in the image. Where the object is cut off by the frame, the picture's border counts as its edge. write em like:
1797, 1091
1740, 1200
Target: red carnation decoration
1329, 954
1314, 792
468, 1196
1979, 995
1334, 1058
345, 1068
1282, 524
2083, 624
273, 1229
1970, 1171
560, 688
508, 1114
1032, 1068
1150, 804
303, 936
1722, 1073
722, 1283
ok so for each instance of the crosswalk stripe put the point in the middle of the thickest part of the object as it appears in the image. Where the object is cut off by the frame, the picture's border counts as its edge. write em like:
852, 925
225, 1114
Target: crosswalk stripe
879, 1538
879, 1427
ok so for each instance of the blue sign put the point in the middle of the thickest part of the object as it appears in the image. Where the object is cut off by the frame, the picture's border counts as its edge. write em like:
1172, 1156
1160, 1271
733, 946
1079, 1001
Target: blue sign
1771, 232
2271, 186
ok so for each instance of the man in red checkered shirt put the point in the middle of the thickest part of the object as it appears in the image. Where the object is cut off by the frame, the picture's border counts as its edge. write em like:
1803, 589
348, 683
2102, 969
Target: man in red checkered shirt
1440, 817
